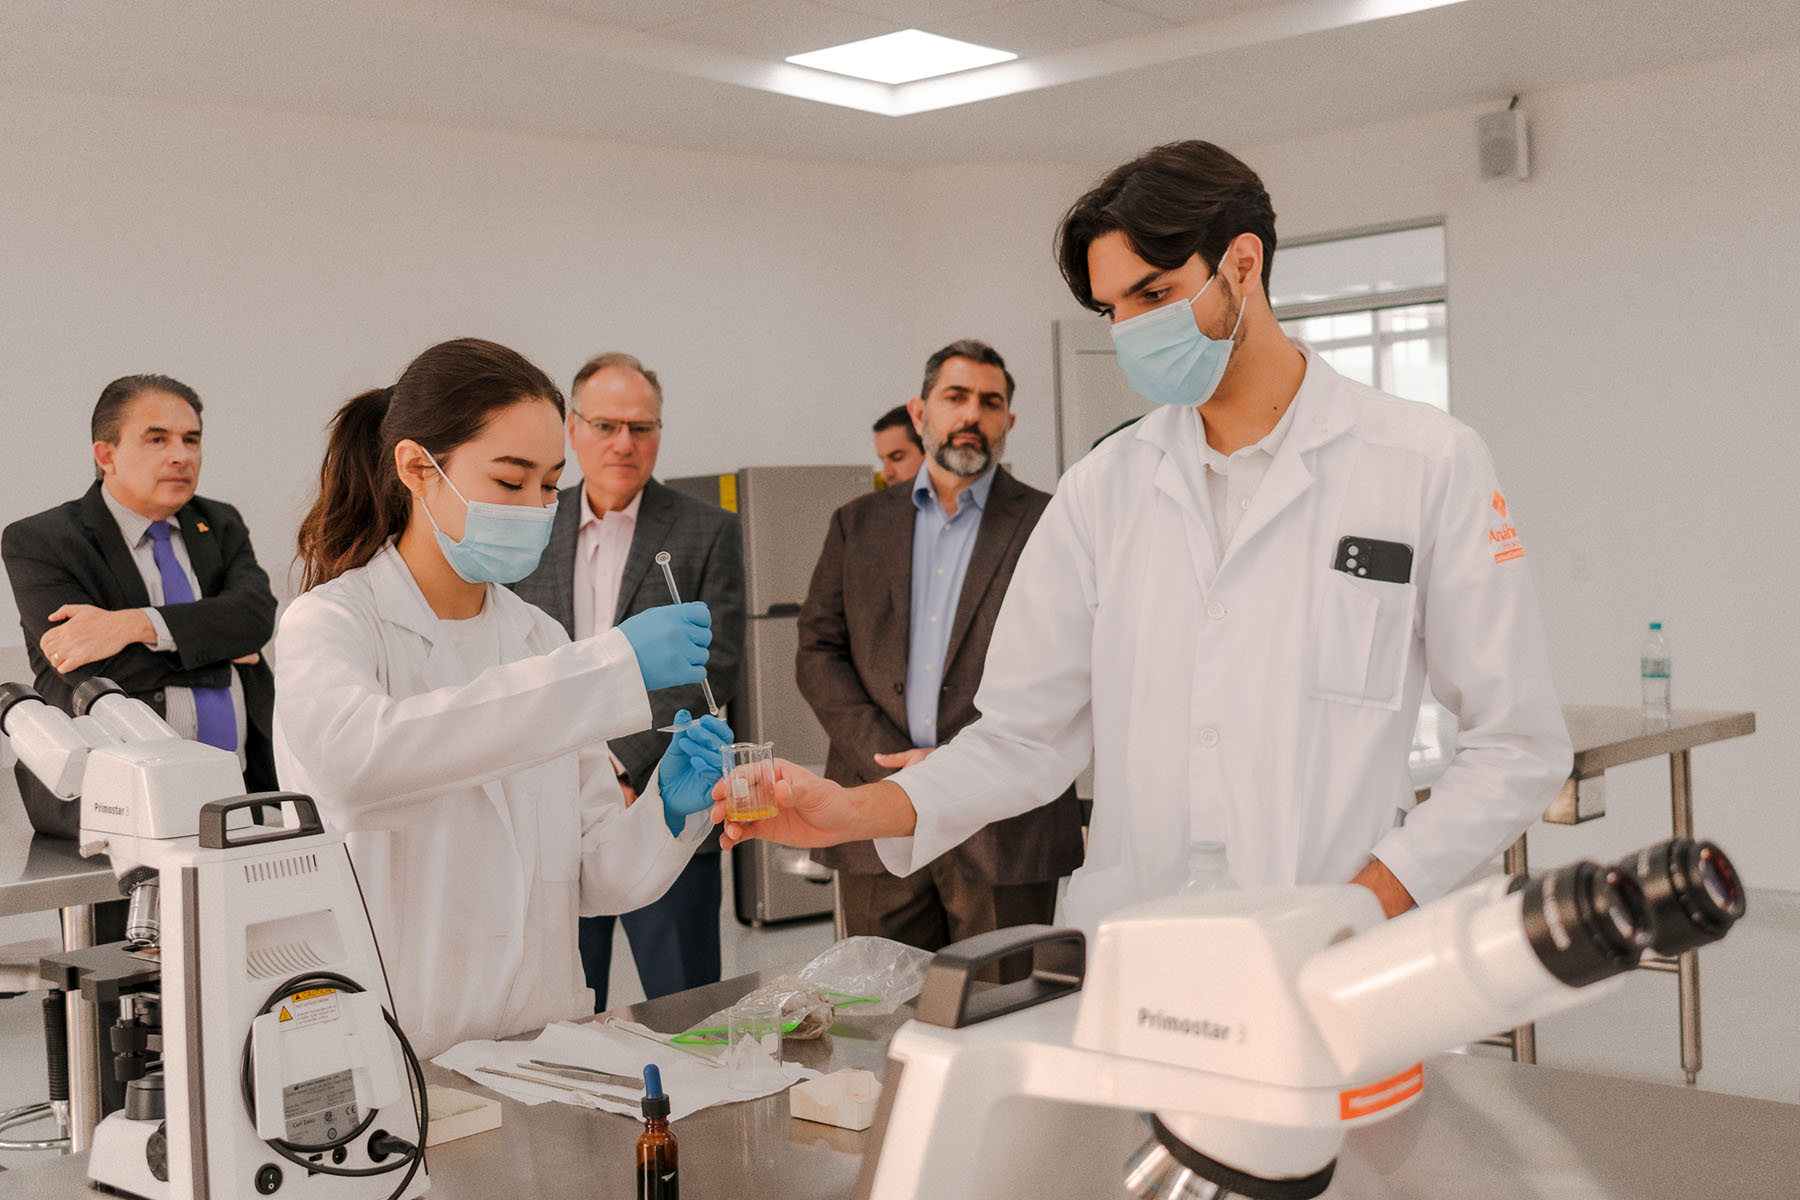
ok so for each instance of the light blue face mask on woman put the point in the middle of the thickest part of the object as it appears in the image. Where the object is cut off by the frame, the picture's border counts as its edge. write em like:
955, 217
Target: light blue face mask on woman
501, 543
1167, 358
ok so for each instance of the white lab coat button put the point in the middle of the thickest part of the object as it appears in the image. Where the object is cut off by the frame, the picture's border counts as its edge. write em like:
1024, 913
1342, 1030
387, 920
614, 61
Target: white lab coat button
1244, 503
1209, 738
1216, 611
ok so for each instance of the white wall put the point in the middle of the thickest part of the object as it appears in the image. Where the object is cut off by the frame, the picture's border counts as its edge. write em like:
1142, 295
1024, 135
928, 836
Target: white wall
982, 268
1622, 329
281, 263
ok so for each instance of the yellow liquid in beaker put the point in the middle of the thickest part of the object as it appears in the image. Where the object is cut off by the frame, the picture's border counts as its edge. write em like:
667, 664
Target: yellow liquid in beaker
750, 811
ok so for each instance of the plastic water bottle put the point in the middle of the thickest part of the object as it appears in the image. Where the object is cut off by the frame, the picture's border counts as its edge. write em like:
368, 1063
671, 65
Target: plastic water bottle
1654, 666
1207, 870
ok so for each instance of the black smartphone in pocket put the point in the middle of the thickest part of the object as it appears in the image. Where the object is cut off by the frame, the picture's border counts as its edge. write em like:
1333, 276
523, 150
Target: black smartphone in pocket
1372, 558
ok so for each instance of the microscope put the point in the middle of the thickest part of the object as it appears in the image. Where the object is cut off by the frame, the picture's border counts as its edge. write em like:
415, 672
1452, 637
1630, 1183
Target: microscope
1248, 1030
256, 1034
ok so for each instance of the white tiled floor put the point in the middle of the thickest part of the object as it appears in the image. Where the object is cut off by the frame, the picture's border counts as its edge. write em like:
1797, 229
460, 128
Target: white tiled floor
1749, 983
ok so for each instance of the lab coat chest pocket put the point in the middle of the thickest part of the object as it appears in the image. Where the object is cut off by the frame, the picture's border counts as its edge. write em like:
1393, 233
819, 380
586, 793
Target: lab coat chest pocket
1364, 635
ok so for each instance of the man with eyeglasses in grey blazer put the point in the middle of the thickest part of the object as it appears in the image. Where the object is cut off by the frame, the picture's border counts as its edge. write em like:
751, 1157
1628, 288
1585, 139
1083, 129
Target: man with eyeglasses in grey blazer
598, 569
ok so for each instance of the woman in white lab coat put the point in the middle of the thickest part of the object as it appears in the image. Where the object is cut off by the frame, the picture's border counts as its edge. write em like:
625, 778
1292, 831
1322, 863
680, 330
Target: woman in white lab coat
450, 729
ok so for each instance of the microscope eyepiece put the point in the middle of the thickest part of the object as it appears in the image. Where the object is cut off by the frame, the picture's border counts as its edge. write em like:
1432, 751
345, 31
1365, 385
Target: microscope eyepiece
1692, 889
89, 691
15, 693
1586, 922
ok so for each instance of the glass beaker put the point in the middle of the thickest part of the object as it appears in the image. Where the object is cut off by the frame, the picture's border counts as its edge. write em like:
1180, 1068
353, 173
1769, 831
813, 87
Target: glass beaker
749, 781
753, 1045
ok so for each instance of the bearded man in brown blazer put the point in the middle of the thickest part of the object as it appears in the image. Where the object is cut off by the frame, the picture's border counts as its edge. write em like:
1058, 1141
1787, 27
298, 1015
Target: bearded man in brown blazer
893, 636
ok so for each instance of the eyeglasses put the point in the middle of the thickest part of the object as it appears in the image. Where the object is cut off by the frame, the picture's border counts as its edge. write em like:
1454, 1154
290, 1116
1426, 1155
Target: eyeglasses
607, 430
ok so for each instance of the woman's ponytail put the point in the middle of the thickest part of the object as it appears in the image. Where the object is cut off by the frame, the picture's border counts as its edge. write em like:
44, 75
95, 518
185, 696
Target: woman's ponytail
361, 503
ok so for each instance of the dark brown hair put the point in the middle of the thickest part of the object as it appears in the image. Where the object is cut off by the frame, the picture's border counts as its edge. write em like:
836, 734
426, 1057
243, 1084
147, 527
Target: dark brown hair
898, 418
115, 401
444, 399
1171, 203
974, 351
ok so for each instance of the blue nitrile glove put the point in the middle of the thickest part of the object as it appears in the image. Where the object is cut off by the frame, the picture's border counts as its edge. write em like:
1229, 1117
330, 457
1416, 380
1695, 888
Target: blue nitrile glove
670, 643
690, 767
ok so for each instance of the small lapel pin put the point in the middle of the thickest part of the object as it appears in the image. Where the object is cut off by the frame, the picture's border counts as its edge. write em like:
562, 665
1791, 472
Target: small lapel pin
200, 527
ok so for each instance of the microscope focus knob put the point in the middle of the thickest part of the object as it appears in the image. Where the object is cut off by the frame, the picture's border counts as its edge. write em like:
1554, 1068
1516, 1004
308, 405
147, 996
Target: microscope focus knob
156, 1154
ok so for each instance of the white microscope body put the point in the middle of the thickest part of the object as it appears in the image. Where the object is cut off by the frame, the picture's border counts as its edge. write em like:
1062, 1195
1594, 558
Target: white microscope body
1254, 1027
270, 985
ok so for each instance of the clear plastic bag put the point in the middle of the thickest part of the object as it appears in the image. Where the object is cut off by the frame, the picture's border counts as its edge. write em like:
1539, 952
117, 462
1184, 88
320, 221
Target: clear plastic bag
861, 974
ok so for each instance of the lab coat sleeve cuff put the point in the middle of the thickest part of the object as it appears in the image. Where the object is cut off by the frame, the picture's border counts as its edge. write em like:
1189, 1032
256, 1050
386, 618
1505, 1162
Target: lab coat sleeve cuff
164, 640
905, 855
1413, 875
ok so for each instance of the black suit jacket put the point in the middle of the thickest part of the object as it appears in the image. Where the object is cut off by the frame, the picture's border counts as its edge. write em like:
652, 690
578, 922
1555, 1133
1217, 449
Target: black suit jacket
706, 548
851, 667
75, 554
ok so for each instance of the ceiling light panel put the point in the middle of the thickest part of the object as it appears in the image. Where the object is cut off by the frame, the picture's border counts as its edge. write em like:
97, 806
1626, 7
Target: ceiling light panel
902, 57
1050, 26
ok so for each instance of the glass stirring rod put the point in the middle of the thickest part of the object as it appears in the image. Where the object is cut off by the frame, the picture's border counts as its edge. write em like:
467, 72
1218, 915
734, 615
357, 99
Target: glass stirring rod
712, 706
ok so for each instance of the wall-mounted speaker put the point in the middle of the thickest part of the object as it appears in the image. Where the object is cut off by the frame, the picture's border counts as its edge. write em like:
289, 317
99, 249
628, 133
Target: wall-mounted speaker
1500, 145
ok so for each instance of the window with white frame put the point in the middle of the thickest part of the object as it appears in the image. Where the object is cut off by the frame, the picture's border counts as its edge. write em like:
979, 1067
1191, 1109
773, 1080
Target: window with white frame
1374, 304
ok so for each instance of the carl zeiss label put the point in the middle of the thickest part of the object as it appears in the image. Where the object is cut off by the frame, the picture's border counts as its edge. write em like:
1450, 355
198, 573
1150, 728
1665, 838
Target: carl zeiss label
319, 1111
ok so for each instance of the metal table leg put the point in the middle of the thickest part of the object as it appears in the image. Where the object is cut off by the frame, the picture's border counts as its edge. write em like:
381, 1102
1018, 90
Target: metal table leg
1524, 1037
1681, 804
84, 1037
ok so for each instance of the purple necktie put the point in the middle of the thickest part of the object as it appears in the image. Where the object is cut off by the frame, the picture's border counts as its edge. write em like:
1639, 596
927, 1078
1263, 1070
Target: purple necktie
212, 705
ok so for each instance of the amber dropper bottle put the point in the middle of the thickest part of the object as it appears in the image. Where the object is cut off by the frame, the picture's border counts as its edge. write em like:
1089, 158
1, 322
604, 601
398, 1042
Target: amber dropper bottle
658, 1174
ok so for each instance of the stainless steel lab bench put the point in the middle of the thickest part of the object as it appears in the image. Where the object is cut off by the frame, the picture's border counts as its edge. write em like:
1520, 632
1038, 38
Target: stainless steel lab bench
1484, 1129
1610, 736
44, 874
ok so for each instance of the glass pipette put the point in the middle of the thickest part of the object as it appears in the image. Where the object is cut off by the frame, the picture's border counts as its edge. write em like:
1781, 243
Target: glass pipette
712, 706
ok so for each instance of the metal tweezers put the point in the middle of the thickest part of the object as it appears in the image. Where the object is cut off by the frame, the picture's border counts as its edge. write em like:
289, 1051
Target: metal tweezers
573, 1071
615, 1097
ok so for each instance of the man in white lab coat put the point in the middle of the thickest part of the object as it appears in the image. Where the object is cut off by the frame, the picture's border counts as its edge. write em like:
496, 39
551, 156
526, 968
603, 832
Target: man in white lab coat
1237, 604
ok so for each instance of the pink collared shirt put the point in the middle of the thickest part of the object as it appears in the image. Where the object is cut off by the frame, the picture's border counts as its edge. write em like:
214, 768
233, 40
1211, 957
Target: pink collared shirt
600, 550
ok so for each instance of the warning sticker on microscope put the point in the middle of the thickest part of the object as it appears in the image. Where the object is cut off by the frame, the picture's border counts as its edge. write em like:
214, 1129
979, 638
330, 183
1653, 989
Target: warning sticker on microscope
1372, 1098
319, 1111
314, 1007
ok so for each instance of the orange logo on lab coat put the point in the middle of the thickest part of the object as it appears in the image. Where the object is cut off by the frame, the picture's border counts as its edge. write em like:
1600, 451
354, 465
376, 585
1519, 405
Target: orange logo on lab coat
1503, 537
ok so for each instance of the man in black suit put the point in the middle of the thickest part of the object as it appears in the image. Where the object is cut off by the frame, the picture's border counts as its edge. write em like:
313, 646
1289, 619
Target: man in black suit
147, 584
598, 569
155, 588
893, 637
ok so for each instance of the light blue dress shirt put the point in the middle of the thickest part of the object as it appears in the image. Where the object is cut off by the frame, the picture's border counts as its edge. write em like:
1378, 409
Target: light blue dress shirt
940, 559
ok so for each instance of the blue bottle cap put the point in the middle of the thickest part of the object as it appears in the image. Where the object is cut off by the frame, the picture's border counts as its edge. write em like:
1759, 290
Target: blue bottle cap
1656, 624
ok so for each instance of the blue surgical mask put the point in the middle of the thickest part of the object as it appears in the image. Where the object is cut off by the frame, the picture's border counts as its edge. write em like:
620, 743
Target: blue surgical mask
501, 543
1167, 358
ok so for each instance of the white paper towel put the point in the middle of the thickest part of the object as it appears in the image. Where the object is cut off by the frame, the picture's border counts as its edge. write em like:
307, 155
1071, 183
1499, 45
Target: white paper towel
692, 1083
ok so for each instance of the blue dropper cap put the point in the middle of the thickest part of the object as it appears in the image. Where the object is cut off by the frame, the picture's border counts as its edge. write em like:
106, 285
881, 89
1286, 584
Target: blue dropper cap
655, 1104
